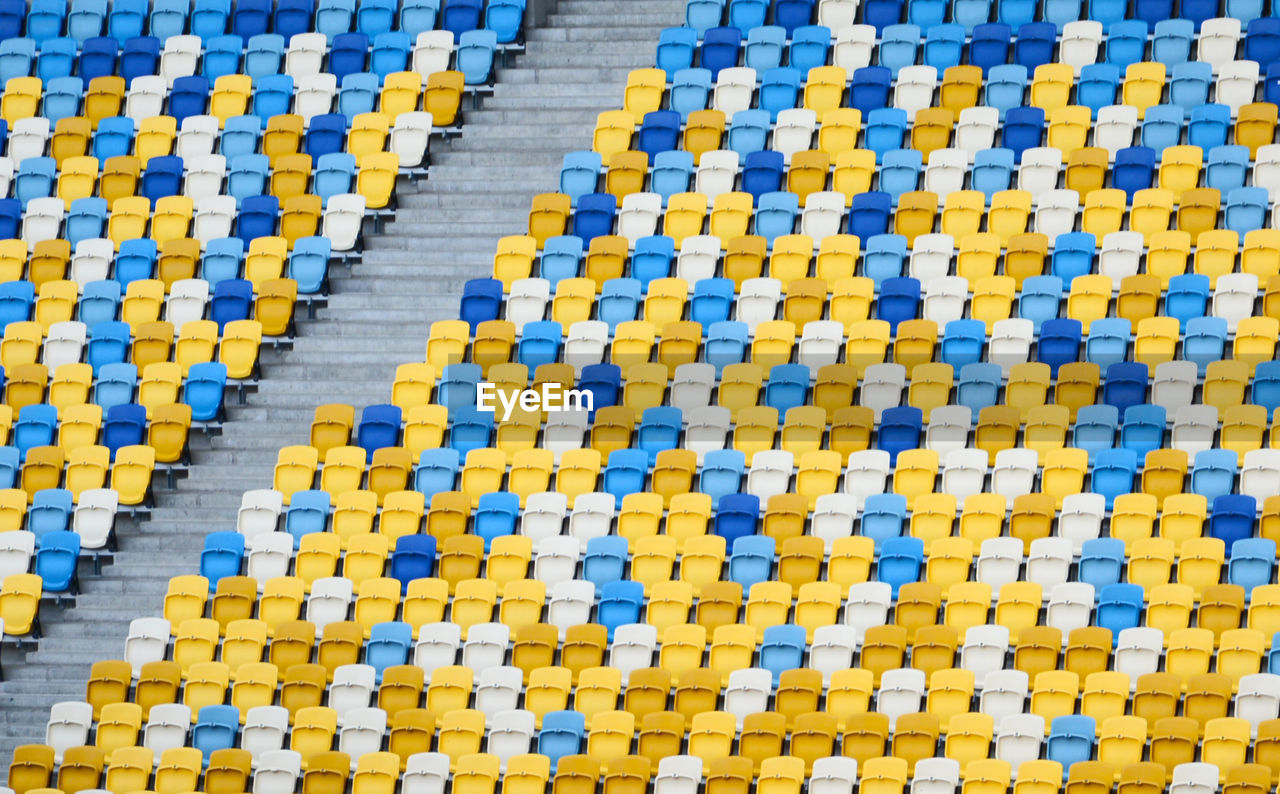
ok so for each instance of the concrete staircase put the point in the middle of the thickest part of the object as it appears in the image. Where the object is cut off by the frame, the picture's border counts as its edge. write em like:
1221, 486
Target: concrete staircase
378, 316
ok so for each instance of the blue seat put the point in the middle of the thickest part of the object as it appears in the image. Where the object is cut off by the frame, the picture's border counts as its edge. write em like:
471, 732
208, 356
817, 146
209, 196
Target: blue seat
414, 556
99, 302
135, 260
1039, 300
1059, 343
374, 17
737, 515
348, 54
703, 14
809, 45
250, 18
1060, 12
481, 301
943, 46
504, 18
1265, 389
222, 555
257, 218
1251, 561
240, 138
712, 301
1133, 170
35, 427
222, 258
1034, 43
85, 220
978, 386
56, 560
62, 98
379, 427
1271, 84
50, 511
35, 179
561, 259
885, 254
748, 131
619, 301
388, 645
1126, 42
747, 14
162, 177
474, 56
325, 135
604, 381
751, 560
16, 301
98, 57
719, 49
1113, 473
721, 474
203, 390
1246, 209
1107, 12
690, 90
562, 731
1119, 608
727, 343
168, 18
114, 137
124, 426
620, 604
899, 562
787, 387
900, 172
869, 89
1102, 562
963, 342
972, 14
776, 214
885, 128
470, 428
1108, 341
10, 214
1171, 44
57, 57
540, 343
671, 173
358, 94
495, 516
417, 16
779, 90
215, 729
1125, 385
1153, 11
898, 47
675, 49
992, 171
604, 560
1197, 11
883, 515
1143, 428
762, 173
333, 175
1213, 473
659, 429
1209, 126
594, 216
115, 384
1095, 429
1071, 739
625, 473
459, 16
1023, 128
1189, 85
232, 300
272, 96
1204, 341
901, 428
1073, 255
17, 56
1244, 10
264, 55
881, 13
9, 466
792, 14
660, 132
989, 46
764, 47
209, 18
1005, 86
899, 300
437, 469
128, 19
221, 56
782, 649
927, 13
1226, 168
334, 17
308, 512
1231, 518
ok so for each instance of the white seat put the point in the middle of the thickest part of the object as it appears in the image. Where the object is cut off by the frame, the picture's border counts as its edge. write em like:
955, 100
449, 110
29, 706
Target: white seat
425, 773
1260, 474
556, 558
563, 431
1237, 84
362, 731
1266, 169
735, 88
1010, 342
1258, 699
186, 301
92, 260
42, 220
214, 217
512, 734
63, 344
867, 605
95, 517
901, 692
543, 516
866, 473
632, 648
678, 774
259, 511
146, 95
638, 216
833, 774
1114, 127
914, 89
431, 52
1194, 778
268, 555
976, 130
758, 301
697, 258
1018, 736
16, 550
851, 45
931, 257
936, 776
486, 645
343, 219
437, 646
717, 172
838, 14
999, 562
1138, 652
1194, 428
197, 138
832, 649
1049, 562
1081, 518
1080, 40
1174, 384
498, 690
148, 638
747, 692
944, 299
1039, 169
793, 132
570, 604
948, 428
1056, 212
179, 58
692, 385
1120, 255
1014, 473
964, 472
1070, 606
28, 138
204, 182
527, 301
592, 516
313, 95
770, 473
305, 54
410, 137
984, 647
1234, 296
946, 171
350, 691
68, 726
167, 726
329, 601
833, 517
882, 387
1216, 45
707, 429
822, 215
6, 175
277, 772
265, 728
584, 344
1003, 693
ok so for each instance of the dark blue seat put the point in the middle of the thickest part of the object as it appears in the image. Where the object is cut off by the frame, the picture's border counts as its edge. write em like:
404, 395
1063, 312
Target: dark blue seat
660, 132
250, 18
1022, 130
10, 214
792, 14
869, 214
481, 301
901, 428
56, 559
604, 382
188, 97
140, 56
1125, 385
1153, 11
737, 515
881, 13
162, 177
232, 299
123, 426
1034, 44
1231, 518
348, 54
325, 135
1133, 170
869, 88
98, 57
989, 45
594, 216
719, 49
459, 16
899, 300
379, 427
223, 552
414, 557
257, 218
293, 17
762, 173
1059, 343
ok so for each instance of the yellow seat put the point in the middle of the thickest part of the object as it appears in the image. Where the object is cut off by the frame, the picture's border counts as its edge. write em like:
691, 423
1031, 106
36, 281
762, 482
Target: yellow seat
613, 132
731, 215
1155, 340
155, 137
1103, 212
21, 98
1007, 215
643, 92
853, 171
230, 96
104, 97
1051, 86
824, 89
702, 132
1143, 86
1069, 128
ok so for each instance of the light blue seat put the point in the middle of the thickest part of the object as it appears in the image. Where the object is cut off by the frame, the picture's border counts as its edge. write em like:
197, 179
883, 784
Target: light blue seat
209, 18
9, 466
264, 55
898, 47
1097, 86
437, 470
561, 259
1171, 44
749, 131
884, 257
215, 729
727, 343
1210, 126
17, 57
1005, 86
1162, 127
1227, 168
388, 645
1040, 299
1073, 255
703, 14
782, 649
1102, 562
1213, 473
992, 171
899, 562
884, 130
221, 56
624, 473
676, 47
56, 558
747, 14
1113, 473
62, 98
751, 560
690, 90
809, 45
1126, 42
334, 17
652, 256
900, 172
721, 473
308, 511
1189, 85
1143, 429
247, 177
883, 515
333, 175
764, 47
358, 94
1095, 429
1071, 737
712, 302
272, 96
943, 45
85, 220
962, 343
35, 427
620, 604
1108, 341
222, 259
1119, 608
50, 511
474, 56
776, 214
99, 302
787, 387
659, 430
1251, 562
240, 137
619, 301
113, 137
978, 386
1187, 297
168, 18
86, 19
1246, 209
1204, 341
671, 173
779, 91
